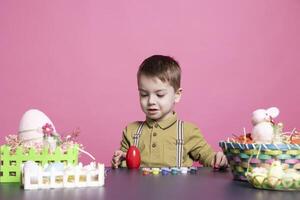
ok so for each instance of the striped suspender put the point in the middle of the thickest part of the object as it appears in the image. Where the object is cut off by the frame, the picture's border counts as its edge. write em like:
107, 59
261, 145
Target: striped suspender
137, 135
179, 143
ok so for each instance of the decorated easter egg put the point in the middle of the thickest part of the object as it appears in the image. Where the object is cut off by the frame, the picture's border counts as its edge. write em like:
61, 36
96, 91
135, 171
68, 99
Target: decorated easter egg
31, 126
258, 176
275, 174
133, 158
287, 180
290, 178
276, 170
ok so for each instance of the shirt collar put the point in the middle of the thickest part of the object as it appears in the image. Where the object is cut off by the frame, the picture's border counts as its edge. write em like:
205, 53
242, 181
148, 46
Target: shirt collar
163, 124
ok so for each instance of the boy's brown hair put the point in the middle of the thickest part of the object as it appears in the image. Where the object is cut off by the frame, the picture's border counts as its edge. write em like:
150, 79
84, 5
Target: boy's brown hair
165, 68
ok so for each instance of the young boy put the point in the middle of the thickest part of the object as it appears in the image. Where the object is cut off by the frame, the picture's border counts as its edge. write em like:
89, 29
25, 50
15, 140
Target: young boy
164, 140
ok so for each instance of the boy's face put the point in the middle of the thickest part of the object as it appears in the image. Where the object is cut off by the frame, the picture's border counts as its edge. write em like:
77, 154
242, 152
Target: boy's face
157, 98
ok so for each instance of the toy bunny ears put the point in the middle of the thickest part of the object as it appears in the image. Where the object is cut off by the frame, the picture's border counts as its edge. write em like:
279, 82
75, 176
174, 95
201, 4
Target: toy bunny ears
261, 115
273, 112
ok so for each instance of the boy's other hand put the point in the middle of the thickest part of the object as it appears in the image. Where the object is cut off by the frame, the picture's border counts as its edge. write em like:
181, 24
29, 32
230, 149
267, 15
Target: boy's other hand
117, 158
219, 161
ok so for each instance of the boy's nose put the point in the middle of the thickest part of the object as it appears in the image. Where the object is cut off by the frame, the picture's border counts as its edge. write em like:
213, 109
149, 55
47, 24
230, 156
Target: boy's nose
151, 100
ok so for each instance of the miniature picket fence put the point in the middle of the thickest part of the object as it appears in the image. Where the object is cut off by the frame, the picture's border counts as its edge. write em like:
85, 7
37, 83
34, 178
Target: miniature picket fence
63, 179
10, 164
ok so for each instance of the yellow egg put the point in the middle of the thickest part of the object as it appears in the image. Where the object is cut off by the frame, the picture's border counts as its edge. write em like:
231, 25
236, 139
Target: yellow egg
258, 176
276, 170
291, 178
275, 174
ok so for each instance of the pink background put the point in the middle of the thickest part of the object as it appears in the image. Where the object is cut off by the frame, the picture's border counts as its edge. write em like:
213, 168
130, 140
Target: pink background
77, 61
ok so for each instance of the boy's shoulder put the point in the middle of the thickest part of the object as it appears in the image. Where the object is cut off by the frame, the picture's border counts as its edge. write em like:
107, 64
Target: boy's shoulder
136, 124
133, 126
191, 128
190, 124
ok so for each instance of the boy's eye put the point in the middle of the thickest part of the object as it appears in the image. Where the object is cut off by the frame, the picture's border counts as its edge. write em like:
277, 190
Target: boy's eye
143, 95
160, 95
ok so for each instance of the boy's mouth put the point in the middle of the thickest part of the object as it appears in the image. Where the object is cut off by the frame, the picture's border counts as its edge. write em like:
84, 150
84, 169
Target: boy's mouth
152, 110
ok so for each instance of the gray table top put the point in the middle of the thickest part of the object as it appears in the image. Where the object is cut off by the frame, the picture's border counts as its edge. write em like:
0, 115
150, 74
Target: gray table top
131, 184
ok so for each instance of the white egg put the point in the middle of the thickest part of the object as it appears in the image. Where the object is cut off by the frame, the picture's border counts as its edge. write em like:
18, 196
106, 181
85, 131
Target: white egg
30, 129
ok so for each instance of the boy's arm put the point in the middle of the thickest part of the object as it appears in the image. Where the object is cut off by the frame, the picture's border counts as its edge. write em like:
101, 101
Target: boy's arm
197, 146
125, 141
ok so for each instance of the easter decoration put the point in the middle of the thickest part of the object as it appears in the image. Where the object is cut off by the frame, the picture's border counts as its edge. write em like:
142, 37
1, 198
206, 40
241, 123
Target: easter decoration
263, 130
133, 158
133, 161
58, 175
38, 144
268, 157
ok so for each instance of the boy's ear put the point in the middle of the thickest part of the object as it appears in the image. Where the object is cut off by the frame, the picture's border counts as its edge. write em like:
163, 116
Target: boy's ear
178, 94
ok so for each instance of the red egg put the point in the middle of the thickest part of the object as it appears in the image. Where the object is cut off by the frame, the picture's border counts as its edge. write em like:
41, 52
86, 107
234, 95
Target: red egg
133, 158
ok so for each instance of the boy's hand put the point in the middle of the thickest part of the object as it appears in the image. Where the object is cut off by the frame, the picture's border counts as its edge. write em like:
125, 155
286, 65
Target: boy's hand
117, 158
219, 161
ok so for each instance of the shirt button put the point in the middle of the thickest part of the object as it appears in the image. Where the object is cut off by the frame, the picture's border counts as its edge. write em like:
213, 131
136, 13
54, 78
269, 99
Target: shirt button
155, 125
154, 134
153, 145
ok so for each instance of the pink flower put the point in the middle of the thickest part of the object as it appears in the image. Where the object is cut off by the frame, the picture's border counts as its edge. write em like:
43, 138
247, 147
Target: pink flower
72, 136
47, 129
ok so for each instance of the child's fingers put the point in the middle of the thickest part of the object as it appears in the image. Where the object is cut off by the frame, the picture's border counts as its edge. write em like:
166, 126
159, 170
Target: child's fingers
223, 162
123, 155
115, 163
219, 159
117, 158
118, 153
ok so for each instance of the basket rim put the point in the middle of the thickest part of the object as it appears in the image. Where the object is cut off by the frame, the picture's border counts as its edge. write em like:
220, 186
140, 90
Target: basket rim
236, 145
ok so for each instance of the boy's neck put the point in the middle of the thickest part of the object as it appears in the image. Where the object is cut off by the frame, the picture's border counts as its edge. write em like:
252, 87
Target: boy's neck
167, 117
165, 123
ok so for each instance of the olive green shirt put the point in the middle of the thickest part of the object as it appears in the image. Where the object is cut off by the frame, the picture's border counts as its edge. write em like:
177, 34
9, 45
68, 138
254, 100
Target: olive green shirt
157, 143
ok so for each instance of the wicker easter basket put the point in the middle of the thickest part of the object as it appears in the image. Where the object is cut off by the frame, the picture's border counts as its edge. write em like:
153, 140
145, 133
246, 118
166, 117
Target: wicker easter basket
245, 157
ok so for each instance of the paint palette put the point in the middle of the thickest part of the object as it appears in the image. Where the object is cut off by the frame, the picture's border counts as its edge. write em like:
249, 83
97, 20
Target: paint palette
167, 170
